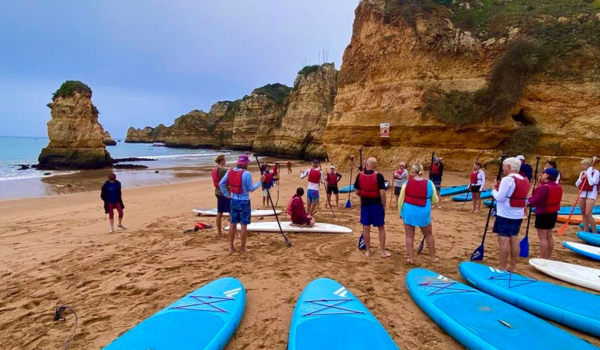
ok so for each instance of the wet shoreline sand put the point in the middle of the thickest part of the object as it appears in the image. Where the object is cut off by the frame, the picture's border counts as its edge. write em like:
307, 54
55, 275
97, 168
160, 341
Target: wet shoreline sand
55, 250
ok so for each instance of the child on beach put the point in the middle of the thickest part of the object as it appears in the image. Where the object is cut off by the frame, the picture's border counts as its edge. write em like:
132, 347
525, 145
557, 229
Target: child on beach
111, 195
266, 185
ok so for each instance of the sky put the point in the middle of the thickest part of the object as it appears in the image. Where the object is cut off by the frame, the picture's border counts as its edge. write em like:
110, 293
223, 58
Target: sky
150, 61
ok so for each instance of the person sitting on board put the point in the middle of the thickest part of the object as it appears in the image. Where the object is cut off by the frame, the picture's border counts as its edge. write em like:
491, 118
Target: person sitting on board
476, 186
223, 203
297, 211
414, 205
370, 187
526, 171
511, 197
266, 185
314, 180
289, 166
332, 179
400, 177
552, 164
546, 200
588, 186
437, 172
237, 184
111, 195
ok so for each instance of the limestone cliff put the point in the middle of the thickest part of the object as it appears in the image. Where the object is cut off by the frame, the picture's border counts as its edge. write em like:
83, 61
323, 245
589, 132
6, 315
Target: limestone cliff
74, 132
108, 140
310, 103
469, 79
147, 134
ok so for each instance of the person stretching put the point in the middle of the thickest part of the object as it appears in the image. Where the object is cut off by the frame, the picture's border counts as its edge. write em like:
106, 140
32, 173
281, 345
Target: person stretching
476, 186
297, 211
314, 180
546, 200
588, 185
400, 177
111, 195
414, 206
332, 180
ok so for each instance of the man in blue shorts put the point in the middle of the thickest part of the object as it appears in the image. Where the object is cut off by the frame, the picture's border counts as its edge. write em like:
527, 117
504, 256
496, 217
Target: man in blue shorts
223, 203
239, 181
370, 186
511, 196
314, 180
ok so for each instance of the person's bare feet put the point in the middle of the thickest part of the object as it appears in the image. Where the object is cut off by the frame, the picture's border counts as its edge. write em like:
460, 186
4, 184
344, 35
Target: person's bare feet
244, 250
435, 259
385, 254
231, 250
476, 211
410, 261
368, 254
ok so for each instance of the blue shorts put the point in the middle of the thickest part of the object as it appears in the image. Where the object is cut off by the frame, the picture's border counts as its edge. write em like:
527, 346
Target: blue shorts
312, 197
507, 227
240, 212
223, 204
372, 215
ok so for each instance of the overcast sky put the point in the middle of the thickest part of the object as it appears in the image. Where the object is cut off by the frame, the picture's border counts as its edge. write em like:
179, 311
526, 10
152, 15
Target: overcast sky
150, 61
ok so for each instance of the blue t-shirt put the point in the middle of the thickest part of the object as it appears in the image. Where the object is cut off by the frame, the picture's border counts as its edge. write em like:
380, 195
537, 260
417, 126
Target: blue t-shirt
113, 192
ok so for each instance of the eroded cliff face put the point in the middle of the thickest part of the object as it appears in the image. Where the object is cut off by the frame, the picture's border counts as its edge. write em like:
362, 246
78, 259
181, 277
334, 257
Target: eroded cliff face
257, 111
148, 134
75, 134
392, 62
299, 132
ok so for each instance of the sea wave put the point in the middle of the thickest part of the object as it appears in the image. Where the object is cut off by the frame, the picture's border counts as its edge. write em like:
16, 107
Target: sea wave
184, 155
35, 175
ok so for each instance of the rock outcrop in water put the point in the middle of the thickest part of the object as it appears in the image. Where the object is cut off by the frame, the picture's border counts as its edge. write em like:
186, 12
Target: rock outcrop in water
108, 140
74, 131
148, 134
469, 79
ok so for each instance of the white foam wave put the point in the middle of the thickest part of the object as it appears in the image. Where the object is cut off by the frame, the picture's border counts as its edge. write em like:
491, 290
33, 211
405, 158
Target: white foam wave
186, 155
35, 175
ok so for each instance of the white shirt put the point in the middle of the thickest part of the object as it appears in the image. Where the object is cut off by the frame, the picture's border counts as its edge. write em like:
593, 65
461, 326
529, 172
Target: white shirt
311, 186
592, 179
506, 189
399, 179
480, 179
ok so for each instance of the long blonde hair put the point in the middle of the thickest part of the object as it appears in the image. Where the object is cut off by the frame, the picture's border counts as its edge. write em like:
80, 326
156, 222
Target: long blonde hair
418, 168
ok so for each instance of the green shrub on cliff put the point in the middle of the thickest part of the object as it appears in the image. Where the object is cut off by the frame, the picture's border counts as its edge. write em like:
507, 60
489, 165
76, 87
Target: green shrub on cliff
276, 92
70, 87
309, 69
523, 141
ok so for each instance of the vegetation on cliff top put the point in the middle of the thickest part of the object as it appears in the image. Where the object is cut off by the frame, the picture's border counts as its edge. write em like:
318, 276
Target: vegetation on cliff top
70, 87
309, 69
276, 92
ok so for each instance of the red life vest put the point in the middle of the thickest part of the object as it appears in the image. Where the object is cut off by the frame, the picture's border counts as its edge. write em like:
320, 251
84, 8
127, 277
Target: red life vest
435, 170
368, 185
474, 178
415, 192
585, 185
215, 176
268, 178
555, 194
332, 179
518, 199
234, 180
314, 176
275, 171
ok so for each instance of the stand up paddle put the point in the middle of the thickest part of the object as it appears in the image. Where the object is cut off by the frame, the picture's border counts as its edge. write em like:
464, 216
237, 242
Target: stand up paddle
478, 253
524, 244
420, 249
361, 239
563, 228
287, 241
327, 186
348, 203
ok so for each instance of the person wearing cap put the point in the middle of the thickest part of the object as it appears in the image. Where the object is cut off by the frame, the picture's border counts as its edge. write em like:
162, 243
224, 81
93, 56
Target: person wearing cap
400, 177
588, 186
511, 197
370, 186
437, 171
331, 181
314, 180
546, 200
237, 185
223, 203
552, 164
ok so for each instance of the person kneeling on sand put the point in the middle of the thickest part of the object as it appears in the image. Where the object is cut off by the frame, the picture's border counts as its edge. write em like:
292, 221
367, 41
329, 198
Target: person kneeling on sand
297, 212
240, 184
111, 195
414, 206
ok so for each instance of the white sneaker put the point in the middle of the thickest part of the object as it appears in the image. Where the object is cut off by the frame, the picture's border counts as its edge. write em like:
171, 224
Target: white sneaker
111, 231
122, 227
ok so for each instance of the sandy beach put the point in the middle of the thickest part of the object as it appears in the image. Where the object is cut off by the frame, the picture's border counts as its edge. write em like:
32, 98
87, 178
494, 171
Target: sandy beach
56, 250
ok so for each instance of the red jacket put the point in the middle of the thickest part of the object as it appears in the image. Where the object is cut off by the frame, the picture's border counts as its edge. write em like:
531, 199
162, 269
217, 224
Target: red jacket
298, 215
546, 199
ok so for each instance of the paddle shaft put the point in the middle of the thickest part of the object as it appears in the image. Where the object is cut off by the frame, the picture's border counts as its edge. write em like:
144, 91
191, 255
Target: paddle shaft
524, 244
537, 164
287, 241
350, 181
392, 185
420, 249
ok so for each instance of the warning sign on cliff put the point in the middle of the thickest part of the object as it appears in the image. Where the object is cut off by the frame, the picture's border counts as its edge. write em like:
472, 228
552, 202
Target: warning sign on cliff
384, 130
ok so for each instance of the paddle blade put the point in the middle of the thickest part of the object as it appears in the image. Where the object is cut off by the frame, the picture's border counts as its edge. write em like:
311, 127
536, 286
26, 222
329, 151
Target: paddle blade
348, 204
361, 243
563, 228
477, 254
421, 246
524, 247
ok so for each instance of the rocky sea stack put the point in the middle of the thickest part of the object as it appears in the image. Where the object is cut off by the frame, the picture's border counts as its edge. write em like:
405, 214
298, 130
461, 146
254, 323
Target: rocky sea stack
76, 137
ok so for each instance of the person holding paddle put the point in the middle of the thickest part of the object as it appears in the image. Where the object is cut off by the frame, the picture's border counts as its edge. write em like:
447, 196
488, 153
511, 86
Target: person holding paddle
546, 200
476, 186
511, 195
588, 186
331, 180
414, 206
370, 186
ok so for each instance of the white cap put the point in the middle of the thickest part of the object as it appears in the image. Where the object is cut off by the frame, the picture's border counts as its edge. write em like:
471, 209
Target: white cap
520, 157
332, 167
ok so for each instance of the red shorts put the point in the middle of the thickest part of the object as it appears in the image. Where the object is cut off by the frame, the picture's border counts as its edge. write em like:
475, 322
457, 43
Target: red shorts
111, 212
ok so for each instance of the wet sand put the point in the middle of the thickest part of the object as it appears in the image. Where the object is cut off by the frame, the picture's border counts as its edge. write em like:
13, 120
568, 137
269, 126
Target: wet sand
56, 250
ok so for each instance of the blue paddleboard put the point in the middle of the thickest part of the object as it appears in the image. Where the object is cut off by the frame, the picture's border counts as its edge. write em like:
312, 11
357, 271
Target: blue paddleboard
449, 191
589, 238
328, 317
468, 197
480, 321
489, 203
350, 188
205, 319
570, 307
597, 227
584, 249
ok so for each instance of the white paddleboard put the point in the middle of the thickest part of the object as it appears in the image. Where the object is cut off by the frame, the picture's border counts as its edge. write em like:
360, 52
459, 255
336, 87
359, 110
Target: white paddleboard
576, 274
213, 212
287, 227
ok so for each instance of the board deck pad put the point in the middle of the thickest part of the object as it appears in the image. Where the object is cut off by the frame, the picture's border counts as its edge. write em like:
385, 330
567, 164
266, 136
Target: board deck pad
287, 226
203, 319
575, 274
328, 316
481, 321
213, 212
